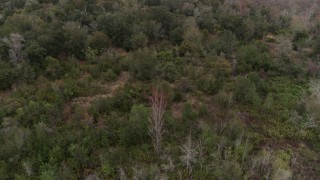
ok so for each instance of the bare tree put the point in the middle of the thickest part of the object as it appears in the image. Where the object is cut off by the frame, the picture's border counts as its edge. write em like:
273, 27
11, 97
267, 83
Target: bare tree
122, 174
262, 164
28, 168
158, 101
92, 177
15, 44
189, 154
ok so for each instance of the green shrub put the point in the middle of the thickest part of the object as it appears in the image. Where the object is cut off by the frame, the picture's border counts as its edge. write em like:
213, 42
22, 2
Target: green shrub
246, 94
109, 75
139, 41
142, 65
211, 86
135, 131
90, 54
169, 71
223, 100
250, 59
189, 114
7, 75
281, 166
99, 41
222, 68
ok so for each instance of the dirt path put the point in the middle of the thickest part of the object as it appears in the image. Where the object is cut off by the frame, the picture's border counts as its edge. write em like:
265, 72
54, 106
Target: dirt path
111, 89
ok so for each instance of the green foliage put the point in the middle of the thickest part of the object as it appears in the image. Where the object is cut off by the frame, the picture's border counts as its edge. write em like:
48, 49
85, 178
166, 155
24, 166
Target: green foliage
7, 75
223, 100
281, 166
76, 38
211, 86
109, 75
90, 54
142, 64
75, 87
169, 71
36, 54
298, 39
116, 27
139, 41
99, 41
53, 69
18, 22
228, 170
222, 68
136, 130
176, 36
246, 94
227, 43
251, 59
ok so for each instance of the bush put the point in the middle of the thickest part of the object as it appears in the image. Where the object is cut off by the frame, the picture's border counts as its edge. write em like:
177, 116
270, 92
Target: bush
36, 54
169, 71
142, 65
90, 54
223, 100
136, 132
251, 59
211, 86
109, 75
76, 38
53, 69
188, 113
7, 75
226, 43
246, 94
222, 68
176, 36
99, 41
139, 41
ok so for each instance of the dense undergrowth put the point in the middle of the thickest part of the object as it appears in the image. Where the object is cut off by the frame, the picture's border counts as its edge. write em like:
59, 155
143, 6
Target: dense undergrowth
82, 82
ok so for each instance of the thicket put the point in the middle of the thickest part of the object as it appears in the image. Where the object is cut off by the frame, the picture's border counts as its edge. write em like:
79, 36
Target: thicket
159, 89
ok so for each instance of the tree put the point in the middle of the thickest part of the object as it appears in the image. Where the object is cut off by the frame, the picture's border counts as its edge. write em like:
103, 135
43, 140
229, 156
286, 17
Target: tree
53, 69
189, 154
99, 41
135, 132
176, 36
117, 27
222, 68
142, 64
139, 41
76, 38
18, 23
15, 44
7, 75
158, 102
227, 42
248, 29
35, 53
206, 19
246, 94
192, 37
251, 58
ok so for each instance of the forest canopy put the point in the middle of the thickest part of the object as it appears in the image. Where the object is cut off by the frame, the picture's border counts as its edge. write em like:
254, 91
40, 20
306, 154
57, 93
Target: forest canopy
159, 89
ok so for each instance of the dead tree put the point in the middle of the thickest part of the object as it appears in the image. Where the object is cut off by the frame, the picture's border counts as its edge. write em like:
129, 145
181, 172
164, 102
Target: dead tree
15, 44
158, 102
189, 154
